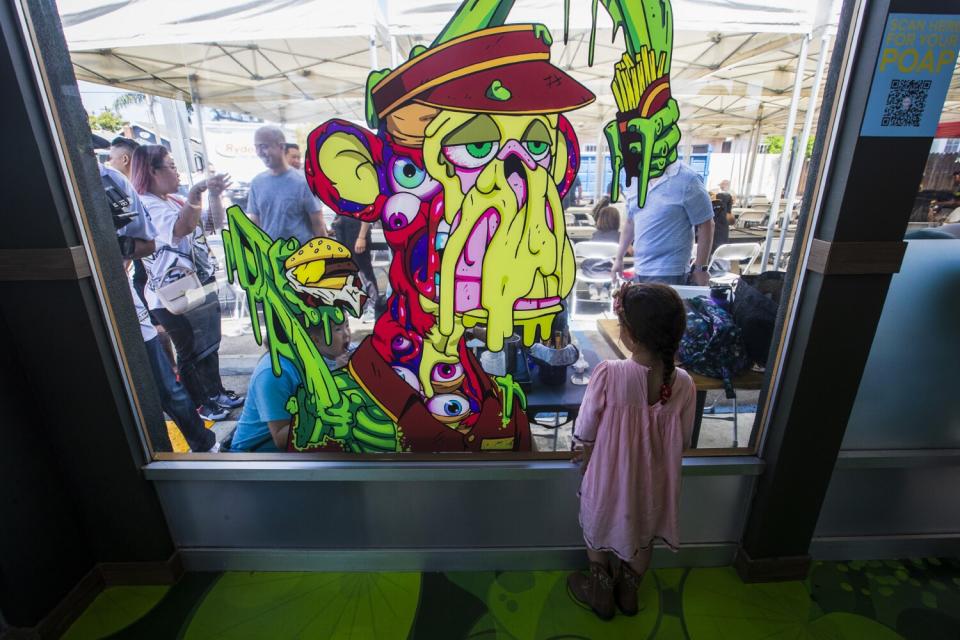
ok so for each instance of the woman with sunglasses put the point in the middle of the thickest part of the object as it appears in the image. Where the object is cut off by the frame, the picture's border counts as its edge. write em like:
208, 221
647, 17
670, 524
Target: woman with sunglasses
182, 246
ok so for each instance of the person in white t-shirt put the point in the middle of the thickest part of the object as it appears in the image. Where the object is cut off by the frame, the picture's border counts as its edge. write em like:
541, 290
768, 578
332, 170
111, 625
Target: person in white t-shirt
135, 237
181, 245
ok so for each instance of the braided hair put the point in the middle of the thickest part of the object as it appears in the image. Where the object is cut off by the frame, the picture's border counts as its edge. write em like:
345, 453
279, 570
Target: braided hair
655, 317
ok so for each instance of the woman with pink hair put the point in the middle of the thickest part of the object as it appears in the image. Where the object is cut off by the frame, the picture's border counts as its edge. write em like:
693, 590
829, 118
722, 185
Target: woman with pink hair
182, 246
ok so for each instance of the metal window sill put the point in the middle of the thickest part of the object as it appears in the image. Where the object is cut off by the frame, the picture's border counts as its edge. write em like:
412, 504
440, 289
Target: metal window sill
413, 471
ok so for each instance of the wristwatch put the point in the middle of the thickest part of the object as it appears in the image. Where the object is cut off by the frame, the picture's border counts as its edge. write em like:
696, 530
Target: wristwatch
699, 267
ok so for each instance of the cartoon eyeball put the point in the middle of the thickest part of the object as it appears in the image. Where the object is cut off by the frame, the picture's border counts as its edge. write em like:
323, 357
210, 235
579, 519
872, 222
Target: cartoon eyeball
407, 177
446, 376
449, 407
400, 210
401, 346
537, 149
472, 155
409, 377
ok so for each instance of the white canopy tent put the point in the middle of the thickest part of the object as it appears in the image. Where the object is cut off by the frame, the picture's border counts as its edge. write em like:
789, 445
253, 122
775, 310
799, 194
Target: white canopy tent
305, 61
738, 70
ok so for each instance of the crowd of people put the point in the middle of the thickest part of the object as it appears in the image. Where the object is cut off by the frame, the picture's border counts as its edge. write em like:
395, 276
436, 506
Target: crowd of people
162, 230
174, 287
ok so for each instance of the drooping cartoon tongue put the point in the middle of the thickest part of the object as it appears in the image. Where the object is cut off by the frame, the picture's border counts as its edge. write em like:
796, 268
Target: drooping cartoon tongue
469, 271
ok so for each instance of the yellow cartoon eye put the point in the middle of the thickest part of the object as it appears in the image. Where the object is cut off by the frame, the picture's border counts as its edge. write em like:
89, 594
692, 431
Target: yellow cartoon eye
471, 155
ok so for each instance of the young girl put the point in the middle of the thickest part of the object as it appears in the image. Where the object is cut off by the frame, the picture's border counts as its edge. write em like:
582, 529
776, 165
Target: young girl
635, 420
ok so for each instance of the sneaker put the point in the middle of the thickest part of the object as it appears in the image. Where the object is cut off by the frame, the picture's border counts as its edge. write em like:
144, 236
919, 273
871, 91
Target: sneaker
228, 400
214, 449
212, 411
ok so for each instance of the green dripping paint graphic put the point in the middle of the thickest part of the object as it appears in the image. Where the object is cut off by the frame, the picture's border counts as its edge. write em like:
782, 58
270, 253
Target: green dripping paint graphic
328, 405
510, 389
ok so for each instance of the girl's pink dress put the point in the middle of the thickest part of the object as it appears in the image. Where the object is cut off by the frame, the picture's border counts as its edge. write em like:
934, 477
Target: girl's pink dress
630, 493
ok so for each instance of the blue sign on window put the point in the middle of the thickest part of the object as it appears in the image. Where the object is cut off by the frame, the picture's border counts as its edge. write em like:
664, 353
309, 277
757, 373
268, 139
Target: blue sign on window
913, 74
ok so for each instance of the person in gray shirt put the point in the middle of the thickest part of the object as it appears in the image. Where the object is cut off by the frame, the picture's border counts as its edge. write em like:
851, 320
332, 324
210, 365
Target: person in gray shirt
280, 200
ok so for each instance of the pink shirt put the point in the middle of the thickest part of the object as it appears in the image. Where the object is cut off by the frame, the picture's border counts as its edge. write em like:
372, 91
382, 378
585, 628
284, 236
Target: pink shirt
630, 493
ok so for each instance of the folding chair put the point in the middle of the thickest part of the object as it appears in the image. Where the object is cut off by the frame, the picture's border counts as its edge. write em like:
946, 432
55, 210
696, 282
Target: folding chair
734, 254
589, 250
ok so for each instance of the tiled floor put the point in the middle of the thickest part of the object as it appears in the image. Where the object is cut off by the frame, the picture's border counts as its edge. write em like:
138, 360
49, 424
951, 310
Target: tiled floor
876, 600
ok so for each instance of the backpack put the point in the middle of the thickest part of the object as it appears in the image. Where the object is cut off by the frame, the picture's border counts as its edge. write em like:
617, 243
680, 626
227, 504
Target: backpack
754, 310
711, 345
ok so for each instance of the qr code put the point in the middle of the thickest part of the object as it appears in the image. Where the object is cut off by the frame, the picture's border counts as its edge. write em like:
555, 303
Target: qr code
905, 103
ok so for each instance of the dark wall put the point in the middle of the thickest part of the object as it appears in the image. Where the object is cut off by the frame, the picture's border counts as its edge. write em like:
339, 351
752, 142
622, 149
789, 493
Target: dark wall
71, 490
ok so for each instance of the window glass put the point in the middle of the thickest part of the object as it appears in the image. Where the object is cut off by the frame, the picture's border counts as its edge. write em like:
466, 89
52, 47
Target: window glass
401, 230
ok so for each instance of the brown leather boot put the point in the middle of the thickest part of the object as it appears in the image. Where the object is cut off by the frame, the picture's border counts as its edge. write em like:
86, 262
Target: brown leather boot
626, 585
594, 590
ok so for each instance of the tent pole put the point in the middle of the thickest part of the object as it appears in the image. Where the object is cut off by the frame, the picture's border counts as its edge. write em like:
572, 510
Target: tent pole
601, 188
740, 163
198, 109
754, 143
785, 153
798, 157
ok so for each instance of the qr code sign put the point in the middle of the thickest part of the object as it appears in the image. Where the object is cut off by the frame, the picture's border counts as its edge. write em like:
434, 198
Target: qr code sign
905, 103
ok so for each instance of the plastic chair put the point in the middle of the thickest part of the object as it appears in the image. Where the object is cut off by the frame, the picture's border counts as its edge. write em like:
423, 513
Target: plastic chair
749, 219
734, 254
590, 250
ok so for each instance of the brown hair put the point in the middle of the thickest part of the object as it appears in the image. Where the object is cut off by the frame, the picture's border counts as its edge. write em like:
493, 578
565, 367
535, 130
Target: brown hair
601, 203
608, 219
655, 317
145, 158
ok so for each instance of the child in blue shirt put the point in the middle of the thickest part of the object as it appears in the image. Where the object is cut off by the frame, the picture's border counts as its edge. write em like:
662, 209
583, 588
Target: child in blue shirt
264, 425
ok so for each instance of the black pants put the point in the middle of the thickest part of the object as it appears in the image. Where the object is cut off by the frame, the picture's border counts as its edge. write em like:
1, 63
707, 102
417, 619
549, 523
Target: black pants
347, 231
196, 338
177, 404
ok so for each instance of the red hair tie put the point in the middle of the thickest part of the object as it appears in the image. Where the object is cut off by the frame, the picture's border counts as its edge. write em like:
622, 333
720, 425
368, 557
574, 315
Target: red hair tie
665, 392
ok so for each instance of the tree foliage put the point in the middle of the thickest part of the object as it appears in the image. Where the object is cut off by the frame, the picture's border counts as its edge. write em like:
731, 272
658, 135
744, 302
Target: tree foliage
106, 120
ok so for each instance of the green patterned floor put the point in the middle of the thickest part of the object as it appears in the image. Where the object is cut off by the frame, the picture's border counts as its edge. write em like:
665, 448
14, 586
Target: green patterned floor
875, 600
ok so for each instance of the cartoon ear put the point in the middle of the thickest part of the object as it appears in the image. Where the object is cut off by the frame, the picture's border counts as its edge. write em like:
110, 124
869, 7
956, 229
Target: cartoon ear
566, 161
342, 169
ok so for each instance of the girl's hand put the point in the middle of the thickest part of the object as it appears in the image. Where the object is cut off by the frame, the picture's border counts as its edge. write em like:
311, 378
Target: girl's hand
581, 456
360, 245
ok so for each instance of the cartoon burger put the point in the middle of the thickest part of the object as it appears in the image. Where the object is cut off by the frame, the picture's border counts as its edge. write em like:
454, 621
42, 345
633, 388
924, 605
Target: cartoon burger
323, 273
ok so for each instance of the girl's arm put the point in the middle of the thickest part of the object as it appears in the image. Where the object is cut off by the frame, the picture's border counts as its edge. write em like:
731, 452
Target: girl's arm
588, 419
688, 411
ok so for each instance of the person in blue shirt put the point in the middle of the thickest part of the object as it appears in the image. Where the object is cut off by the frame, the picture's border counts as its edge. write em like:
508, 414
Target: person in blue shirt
662, 231
264, 425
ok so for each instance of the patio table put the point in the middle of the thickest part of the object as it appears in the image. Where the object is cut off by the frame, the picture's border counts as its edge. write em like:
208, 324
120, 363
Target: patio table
748, 379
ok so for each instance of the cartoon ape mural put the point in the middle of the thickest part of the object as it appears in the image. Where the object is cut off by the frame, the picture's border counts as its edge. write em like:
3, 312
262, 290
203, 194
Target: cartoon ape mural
465, 166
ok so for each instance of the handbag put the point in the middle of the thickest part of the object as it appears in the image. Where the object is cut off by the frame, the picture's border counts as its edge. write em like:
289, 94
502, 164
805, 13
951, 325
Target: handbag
183, 291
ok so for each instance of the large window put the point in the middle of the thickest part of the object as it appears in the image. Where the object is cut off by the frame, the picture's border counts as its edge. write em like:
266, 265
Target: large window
341, 233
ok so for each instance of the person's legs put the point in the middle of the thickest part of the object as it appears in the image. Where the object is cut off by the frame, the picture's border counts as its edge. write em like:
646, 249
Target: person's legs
641, 563
594, 590
181, 333
598, 557
206, 322
176, 401
627, 578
